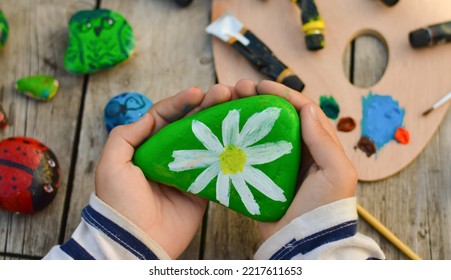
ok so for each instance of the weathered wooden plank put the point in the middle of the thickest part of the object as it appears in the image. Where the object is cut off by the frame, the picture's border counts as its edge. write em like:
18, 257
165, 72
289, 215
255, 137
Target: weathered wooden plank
36, 46
413, 203
230, 235
172, 53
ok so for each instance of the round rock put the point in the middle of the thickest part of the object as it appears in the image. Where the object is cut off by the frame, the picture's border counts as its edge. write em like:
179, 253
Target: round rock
29, 175
125, 108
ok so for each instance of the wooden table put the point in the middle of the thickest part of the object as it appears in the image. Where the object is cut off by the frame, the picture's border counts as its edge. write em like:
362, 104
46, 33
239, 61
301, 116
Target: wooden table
173, 52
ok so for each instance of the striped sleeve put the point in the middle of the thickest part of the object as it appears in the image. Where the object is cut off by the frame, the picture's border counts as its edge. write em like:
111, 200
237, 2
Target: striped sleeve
328, 232
105, 234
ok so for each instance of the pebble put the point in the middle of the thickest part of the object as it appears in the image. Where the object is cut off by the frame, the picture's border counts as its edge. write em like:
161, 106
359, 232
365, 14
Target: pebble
4, 30
29, 175
243, 154
39, 87
125, 108
98, 39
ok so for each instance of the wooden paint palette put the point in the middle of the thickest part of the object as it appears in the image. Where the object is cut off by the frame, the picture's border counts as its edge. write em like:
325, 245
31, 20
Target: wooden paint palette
416, 78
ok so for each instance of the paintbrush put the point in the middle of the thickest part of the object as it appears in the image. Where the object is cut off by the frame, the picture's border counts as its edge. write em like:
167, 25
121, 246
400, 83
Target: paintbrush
437, 104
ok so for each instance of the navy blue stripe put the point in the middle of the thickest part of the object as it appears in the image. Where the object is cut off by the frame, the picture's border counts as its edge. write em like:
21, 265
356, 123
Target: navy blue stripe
118, 234
16, 165
309, 243
75, 251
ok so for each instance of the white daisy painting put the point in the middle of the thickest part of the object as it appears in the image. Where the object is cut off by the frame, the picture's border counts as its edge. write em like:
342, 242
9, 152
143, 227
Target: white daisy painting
244, 155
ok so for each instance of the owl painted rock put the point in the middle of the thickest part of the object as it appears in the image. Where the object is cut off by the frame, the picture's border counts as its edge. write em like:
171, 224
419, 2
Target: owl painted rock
98, 39
4, 29
125, 108
29, 175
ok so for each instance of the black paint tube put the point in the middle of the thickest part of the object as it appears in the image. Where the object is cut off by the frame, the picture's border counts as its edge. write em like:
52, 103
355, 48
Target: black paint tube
232, 31
431, 35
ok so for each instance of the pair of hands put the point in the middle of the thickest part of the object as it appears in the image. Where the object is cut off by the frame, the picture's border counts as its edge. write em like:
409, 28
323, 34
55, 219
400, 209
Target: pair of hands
171, 217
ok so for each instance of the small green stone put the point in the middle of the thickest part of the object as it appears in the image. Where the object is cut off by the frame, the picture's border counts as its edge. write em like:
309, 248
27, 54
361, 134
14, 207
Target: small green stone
98, 39
4, 29
246, 152
38, 87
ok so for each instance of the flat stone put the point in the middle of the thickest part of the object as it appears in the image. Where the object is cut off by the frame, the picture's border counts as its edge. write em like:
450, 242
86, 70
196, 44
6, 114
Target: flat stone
125, 108
243, 154
98, 39
4, 29
38, 87
29, 175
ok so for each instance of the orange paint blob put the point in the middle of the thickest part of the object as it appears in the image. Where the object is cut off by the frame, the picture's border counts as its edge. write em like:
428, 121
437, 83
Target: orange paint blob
402, 135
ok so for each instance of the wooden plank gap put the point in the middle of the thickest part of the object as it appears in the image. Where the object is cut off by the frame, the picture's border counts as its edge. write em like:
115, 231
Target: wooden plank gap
70, 181
203, 234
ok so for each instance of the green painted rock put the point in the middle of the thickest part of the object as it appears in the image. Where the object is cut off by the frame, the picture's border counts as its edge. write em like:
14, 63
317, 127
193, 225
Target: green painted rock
4, 29
243, 154
39, 87
98, 39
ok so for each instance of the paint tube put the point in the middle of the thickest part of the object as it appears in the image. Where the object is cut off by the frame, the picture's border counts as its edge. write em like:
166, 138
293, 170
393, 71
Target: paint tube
312, 24
230, 30
431, 35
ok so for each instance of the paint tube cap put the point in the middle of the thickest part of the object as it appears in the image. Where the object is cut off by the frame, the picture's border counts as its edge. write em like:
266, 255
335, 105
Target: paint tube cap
419, 38
314, 42
390, 2
293, 82
183, 3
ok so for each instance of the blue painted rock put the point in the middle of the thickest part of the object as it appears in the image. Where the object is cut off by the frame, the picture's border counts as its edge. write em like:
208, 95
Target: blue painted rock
98, 39
125, 108
4, 29
40, 87
29, 175
243, 154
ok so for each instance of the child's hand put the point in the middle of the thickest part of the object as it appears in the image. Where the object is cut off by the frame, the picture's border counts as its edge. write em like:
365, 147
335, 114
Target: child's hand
170, 217
326, 173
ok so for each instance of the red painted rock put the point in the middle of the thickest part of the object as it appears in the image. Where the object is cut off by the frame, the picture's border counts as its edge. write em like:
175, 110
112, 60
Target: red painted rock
29, 175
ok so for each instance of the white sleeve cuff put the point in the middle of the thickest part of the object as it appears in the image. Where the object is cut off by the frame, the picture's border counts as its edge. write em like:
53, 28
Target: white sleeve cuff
327, 232
105, 234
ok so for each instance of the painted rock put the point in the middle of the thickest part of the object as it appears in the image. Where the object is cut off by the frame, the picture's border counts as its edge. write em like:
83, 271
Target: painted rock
98, 39
243, 154
38, 87
3, 118
125, 108
4, 29
29, 175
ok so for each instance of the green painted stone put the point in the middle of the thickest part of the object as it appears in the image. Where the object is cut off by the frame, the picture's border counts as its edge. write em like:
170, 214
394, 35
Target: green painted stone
4, 29
243, 154
38, 87
98, 39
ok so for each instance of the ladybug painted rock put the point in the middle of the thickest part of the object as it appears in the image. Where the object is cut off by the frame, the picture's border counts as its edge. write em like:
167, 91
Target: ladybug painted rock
29, 175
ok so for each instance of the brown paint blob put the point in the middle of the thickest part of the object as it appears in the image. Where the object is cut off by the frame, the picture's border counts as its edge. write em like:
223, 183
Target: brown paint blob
346, 124
366, 145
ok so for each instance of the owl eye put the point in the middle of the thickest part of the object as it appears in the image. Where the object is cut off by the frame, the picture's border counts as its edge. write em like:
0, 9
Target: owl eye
107, 22
86, 26
52, 163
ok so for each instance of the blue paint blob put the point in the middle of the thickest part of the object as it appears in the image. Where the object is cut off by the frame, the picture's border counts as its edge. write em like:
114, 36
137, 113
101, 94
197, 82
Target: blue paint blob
382, 115
125, 108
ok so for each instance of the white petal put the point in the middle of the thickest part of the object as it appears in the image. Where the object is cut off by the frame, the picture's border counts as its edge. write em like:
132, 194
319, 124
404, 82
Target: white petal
245, 194
204, 178
206, 137
257, 127
192, 159
263, 183
223, 189
230, 127
267, 152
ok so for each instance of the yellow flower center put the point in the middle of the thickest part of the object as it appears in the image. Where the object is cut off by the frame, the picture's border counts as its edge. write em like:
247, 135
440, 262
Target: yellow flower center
232, 160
